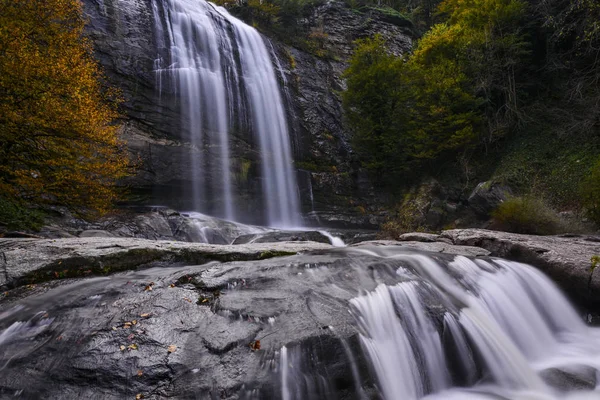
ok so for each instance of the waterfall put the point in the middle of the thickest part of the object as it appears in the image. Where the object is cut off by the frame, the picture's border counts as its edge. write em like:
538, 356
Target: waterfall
222, 72
474, 329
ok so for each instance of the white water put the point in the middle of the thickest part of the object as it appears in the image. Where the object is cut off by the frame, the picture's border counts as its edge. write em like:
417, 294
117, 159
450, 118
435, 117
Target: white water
475, 330
220, 67
334, 240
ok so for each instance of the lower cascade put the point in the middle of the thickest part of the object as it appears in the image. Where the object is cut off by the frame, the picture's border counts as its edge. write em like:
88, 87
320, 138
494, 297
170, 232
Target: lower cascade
476, 329
360, 322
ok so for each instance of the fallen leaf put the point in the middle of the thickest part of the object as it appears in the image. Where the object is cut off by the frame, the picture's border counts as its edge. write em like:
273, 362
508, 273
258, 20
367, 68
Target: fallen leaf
132, 346
114, 328
122, 348
145, 315
139, 396
255, 345
134, 322
140, 373
172, 285
130, 337
186, 299
172, 348
148, 288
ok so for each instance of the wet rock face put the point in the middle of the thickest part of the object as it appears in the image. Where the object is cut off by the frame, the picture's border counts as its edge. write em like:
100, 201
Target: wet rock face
342, 195
209, 331
486, 197
124, 39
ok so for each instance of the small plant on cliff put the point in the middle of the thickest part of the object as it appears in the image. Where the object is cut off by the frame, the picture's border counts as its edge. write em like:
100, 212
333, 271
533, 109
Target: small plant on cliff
590, 193
595, 260
58, 143
526, 215
14, 215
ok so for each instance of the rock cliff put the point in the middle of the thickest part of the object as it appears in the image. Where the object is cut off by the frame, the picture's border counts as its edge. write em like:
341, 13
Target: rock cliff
334, 191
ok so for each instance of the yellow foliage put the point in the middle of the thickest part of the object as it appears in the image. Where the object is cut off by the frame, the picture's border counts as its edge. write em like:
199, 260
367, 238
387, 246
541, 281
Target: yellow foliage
58, 142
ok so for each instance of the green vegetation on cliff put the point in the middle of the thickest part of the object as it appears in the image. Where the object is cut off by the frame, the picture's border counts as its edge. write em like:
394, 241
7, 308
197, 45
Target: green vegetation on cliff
505, 90
281, 18
57, 142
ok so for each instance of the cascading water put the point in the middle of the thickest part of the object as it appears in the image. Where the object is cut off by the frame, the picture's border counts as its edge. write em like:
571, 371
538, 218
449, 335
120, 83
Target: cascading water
421, 326
474, 330
222, 71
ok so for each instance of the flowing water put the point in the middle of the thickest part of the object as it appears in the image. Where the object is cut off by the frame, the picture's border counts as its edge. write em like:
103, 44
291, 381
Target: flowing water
355, 323
502, 330
222, 71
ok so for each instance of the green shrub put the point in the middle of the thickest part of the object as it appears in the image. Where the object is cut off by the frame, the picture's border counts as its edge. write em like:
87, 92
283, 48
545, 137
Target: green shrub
15, 215
590, 193
410, 214
526, 215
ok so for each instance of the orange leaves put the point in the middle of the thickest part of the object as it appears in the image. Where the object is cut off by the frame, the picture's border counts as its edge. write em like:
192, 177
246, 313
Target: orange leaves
57, 141
255, 345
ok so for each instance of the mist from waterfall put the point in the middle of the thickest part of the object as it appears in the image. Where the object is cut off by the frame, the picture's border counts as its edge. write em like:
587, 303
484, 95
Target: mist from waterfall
223, 73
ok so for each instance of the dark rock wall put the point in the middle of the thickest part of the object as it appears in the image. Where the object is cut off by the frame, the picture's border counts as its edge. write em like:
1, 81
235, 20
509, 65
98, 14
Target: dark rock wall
341, 192
123, 36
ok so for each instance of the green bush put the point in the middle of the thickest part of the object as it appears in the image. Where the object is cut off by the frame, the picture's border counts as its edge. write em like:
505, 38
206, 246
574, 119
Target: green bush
15, 215
526, 215
590, 193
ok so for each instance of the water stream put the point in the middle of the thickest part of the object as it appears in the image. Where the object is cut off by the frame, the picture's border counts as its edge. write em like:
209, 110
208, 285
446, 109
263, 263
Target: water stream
356, 323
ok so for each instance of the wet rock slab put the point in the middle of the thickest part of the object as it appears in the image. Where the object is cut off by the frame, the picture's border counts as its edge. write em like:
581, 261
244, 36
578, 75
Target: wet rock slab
197, 321
199, 331
33, 260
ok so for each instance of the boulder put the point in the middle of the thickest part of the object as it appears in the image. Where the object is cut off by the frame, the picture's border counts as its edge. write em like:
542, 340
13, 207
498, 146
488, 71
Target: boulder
204, 321
96, 233
422, 237
486, 197
282, 236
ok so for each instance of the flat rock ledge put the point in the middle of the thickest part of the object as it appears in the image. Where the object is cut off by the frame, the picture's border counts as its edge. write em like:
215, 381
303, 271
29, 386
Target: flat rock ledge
566, 258
27, 261
24, 261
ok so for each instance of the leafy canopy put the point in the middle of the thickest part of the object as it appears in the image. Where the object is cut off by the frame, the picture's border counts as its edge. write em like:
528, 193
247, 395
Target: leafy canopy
57, 141
457, 89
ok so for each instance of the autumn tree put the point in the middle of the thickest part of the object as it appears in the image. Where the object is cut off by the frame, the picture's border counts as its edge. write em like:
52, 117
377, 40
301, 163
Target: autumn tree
58, 142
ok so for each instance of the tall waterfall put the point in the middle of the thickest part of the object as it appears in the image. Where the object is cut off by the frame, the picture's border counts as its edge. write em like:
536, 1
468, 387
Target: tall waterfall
224, 76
